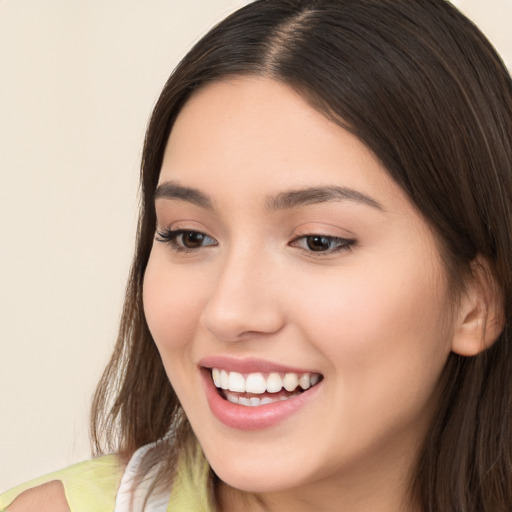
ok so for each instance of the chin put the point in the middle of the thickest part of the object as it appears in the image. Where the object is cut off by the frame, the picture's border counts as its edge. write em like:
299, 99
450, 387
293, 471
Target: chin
258, 472
258, 481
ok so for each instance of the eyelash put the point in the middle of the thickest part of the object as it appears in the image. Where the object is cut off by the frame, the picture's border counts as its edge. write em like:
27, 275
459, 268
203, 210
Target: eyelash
171, 238
340, 244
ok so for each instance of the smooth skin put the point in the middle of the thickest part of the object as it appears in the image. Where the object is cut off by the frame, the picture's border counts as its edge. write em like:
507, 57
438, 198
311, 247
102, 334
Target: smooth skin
368, 305
366, 302
47, 497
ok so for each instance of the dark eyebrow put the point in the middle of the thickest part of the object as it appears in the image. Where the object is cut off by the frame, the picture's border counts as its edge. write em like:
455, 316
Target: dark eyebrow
171, 190
282, 201
295, 198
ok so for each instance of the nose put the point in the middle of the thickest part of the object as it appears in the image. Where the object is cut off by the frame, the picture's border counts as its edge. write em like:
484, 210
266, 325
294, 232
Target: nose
245, 300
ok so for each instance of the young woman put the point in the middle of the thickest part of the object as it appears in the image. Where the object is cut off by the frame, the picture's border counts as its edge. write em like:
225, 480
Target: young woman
318, 315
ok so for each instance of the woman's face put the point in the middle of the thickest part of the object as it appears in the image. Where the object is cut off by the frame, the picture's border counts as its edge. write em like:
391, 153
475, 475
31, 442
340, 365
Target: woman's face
285, 255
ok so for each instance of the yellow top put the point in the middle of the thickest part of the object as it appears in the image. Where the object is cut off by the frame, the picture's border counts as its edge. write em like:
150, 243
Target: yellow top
92, 486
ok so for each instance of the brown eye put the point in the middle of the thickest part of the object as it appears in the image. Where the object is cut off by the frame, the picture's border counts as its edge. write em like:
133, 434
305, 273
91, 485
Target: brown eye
322, 244
192, 239
185, 240
319, 243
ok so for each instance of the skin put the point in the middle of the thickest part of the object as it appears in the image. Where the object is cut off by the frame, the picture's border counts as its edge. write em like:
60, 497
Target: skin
47, 497
374, 318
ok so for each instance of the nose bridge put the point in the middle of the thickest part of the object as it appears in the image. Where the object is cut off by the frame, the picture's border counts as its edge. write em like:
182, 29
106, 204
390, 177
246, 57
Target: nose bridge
244, 298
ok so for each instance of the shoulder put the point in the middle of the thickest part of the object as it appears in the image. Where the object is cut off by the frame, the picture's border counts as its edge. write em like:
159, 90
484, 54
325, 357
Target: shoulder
88, 485
48, 497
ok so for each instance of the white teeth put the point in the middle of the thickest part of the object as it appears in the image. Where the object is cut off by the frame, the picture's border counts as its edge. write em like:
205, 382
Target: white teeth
216, 377
290, 381
274, 383
236, 382
304, 381
224, 379
257, 383
232, 398
256, 401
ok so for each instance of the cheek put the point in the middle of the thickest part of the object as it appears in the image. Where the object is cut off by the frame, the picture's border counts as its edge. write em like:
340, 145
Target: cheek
386, 338
376, 308
172, 304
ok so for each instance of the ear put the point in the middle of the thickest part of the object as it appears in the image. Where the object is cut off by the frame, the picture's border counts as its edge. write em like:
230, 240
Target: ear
480, 318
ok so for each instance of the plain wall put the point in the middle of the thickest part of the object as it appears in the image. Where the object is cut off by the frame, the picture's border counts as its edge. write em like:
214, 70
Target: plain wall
77, 84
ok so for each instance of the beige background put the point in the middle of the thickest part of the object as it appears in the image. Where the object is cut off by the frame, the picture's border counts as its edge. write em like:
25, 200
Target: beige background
77, 83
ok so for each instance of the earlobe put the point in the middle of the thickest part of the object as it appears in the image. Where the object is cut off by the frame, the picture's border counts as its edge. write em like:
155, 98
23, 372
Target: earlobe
480, 312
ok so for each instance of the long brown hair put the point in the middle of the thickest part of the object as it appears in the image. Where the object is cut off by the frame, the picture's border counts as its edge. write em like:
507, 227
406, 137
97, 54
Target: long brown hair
426, 92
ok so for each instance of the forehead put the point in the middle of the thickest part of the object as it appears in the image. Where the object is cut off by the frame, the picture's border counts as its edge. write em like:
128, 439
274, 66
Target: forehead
262, 131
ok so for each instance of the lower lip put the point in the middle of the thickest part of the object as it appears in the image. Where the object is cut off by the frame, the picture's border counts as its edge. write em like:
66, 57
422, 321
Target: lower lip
242, 417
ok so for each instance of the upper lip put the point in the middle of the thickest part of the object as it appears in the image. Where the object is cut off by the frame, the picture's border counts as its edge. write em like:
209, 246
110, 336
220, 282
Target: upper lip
249, 365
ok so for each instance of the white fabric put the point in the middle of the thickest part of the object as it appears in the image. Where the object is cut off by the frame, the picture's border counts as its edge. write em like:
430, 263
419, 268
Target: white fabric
128, 500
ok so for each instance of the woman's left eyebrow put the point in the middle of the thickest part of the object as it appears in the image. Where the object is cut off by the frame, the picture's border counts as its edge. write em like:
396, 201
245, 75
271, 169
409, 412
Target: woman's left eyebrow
312, 195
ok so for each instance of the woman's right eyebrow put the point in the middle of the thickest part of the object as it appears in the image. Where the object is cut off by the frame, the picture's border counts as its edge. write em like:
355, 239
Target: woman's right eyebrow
172, 190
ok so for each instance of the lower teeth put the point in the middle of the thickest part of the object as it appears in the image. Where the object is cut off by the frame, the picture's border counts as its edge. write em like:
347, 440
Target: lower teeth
255, 401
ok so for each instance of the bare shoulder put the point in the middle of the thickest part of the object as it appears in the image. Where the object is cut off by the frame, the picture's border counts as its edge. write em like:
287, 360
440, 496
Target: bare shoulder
47, 497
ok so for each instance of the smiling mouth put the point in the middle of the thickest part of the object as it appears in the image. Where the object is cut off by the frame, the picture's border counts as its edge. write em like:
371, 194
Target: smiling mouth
255, 389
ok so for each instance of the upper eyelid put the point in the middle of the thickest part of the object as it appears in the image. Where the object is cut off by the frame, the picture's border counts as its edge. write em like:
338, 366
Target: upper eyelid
169, 237
330, 237
320, 232
345, 244
323, 228
296, 237
181, 226
348, 237
167, 232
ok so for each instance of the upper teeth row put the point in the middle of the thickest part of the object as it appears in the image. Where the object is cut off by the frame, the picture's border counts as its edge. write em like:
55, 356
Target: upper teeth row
258, 383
